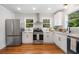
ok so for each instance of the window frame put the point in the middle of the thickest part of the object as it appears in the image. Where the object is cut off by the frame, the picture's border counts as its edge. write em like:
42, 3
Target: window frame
47, 23
31, 23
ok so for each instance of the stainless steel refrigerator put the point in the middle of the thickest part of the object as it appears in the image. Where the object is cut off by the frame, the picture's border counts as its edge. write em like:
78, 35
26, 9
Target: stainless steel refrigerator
13, 32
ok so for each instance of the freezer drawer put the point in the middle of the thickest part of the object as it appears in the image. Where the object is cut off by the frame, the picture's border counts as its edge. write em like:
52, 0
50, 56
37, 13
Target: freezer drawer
9, 41
17, 40
12, 41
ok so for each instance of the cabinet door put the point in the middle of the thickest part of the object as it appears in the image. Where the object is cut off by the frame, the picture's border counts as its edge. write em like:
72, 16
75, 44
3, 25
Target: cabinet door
27, 37
61, 42
64, 43
58, 40
48, 38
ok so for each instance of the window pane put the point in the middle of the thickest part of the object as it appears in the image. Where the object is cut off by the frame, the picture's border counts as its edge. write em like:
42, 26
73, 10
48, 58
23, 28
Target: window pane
74, 19
29, 23
46, 20
29, 20
46, 25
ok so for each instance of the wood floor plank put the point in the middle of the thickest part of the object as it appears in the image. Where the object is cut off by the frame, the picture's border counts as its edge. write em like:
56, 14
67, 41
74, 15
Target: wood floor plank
32, 49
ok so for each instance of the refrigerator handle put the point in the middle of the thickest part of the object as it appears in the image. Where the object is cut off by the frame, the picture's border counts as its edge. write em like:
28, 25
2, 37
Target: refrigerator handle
12, 27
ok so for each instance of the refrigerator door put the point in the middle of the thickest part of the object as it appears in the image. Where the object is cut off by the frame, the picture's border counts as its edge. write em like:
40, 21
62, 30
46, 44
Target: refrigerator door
9, 27
16, 27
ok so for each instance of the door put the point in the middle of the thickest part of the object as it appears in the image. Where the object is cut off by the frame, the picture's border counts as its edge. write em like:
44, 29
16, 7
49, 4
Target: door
16, 27
9, 31
34, 37
9, 27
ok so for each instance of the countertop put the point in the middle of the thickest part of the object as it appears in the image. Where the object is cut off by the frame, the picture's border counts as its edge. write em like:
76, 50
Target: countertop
75, 35
68, 34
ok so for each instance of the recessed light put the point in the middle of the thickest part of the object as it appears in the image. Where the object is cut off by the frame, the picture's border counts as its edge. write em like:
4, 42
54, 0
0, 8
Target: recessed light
49, 8
18, 8
34, 8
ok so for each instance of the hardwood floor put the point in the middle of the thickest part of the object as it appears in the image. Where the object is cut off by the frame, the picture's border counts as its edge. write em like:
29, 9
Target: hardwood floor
32, 49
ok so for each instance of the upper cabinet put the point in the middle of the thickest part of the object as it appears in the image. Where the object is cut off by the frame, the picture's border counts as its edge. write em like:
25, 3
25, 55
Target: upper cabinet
58, 19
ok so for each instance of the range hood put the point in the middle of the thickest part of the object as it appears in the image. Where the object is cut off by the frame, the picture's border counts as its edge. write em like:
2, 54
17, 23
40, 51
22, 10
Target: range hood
38, 19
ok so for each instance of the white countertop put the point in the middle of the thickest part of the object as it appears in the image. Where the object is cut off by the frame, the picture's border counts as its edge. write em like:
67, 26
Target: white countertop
73, 35
69, 34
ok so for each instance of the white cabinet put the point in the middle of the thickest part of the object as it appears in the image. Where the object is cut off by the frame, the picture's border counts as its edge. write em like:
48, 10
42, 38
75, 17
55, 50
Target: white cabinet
58, 18
48, 37
61, 41
27, 37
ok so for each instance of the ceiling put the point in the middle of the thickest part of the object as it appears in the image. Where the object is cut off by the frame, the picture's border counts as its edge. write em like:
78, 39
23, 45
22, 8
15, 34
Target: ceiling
28, 8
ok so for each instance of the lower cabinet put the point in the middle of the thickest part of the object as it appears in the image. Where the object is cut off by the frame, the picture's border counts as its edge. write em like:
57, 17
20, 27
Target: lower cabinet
48, 37
27, 37
61, 42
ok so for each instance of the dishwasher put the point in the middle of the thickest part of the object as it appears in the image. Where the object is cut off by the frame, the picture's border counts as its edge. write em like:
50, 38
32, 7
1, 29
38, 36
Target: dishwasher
77, 48
73, 45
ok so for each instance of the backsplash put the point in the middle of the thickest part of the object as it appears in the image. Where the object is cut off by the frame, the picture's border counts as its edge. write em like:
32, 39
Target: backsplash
74, 30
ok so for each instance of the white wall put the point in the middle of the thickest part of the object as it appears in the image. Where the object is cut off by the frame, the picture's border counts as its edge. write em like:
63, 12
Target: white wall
72, 8
22, 17
4, 14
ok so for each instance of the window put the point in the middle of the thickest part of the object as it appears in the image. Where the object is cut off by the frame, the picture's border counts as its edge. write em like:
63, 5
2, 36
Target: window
73, 19
29, 23
46, 23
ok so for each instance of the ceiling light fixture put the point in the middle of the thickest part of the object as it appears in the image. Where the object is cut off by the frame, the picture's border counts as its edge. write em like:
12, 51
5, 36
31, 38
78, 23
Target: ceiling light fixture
49, 8
65, 6
34, 8
18, 8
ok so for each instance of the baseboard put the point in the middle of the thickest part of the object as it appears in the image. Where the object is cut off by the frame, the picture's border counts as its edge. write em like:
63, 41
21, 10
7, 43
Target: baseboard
37, 43
3, 47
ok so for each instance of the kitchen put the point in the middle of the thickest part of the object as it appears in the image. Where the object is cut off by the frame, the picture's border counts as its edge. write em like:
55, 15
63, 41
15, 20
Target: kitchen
38, 24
